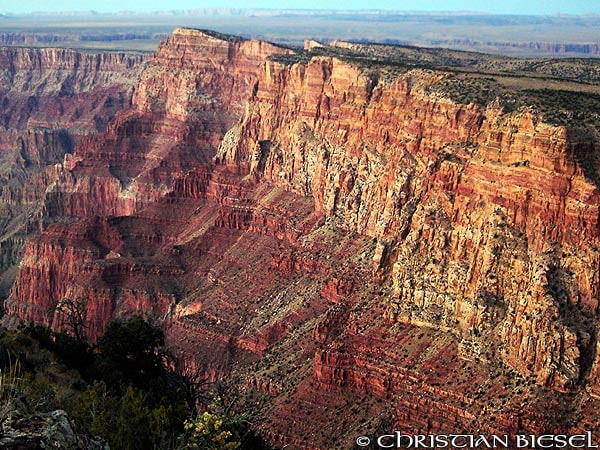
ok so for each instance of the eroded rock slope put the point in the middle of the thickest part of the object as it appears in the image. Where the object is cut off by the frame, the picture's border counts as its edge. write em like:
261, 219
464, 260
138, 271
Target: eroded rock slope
355, 249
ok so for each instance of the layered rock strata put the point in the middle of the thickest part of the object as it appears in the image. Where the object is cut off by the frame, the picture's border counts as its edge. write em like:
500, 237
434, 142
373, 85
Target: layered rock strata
313, 224
51, 99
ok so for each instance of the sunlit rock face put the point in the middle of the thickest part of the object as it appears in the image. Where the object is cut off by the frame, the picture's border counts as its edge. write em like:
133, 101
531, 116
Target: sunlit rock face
334, 237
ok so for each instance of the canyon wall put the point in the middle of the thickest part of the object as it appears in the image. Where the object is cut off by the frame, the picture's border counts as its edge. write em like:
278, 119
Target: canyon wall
336, 235
477, 213
51, 99
59, 88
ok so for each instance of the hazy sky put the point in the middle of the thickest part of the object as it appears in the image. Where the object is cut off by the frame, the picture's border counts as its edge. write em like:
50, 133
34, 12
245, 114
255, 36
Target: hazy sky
498, 6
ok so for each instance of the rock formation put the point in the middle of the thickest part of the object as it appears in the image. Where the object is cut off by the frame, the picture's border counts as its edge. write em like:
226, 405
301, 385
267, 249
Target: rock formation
338, 236
47, 430
51, 99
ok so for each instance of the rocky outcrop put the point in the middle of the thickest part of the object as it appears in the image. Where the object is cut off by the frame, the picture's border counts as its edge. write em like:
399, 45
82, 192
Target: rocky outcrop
318, 226
196, 74
47, 430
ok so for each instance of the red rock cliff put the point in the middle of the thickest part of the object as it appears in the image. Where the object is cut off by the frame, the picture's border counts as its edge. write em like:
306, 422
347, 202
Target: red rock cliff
478, 214
51, 99
335, 234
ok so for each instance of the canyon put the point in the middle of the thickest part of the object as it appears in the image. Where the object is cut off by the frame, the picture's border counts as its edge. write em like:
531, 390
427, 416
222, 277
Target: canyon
51, 100
354, 248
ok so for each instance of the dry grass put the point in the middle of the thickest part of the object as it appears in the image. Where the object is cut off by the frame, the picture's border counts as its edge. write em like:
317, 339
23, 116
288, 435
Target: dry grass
11, 382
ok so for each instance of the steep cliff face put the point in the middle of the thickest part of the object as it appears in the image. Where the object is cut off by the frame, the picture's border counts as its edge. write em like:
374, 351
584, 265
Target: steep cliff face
51, 99
185, 101
477, 213
336, 236
149, 156
58, 88
195, 72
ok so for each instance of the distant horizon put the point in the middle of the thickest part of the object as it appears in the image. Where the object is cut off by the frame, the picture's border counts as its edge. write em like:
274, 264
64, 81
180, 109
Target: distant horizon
299, 10
507, 7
